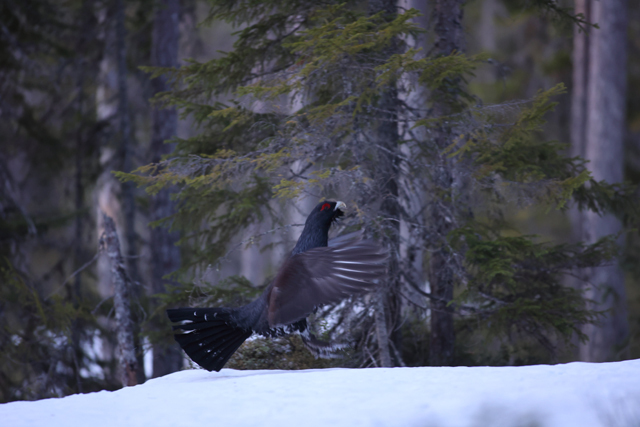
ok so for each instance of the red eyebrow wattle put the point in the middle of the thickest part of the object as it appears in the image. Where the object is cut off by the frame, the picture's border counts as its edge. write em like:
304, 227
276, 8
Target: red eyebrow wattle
325, 206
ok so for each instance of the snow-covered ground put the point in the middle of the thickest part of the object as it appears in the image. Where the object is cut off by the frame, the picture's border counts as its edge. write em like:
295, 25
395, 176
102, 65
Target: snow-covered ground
575, 394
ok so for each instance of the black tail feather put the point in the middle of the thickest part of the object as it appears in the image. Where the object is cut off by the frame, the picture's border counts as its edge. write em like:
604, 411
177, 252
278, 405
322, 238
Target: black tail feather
219, 340
218, 334
199, 314
224, 352
195, 325
209, 335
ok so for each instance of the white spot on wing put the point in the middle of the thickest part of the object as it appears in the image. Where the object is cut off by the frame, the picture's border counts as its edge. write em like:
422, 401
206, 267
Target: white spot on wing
346, 269
349, 278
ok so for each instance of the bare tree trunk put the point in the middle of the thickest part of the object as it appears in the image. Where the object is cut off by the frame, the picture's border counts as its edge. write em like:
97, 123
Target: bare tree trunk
382, 333
487, 30
128, 200
598, 120
413, 197
165, 253
126, 355
447, 18
448, 26
79, 253
388, 306
126, 146
580, 86
85, 65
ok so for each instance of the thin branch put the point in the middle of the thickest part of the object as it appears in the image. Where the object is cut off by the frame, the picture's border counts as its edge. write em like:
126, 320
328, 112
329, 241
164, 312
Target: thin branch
86, 265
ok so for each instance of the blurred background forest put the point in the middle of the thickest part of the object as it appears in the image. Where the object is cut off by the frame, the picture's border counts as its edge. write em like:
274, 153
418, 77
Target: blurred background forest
498, 235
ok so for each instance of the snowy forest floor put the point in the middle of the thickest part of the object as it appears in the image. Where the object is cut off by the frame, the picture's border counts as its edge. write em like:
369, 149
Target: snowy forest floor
574, 394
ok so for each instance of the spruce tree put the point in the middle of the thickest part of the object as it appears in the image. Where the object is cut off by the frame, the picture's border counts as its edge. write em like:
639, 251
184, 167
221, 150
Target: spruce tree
316, 105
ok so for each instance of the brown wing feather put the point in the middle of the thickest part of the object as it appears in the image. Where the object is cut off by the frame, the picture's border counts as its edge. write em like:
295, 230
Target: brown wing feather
322, 276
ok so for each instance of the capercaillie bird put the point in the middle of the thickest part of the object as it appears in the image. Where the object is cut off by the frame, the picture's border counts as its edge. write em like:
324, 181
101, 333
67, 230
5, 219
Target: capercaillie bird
317, 272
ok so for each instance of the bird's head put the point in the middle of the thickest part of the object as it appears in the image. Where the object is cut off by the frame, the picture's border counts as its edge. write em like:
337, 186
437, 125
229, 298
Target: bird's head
316, 228
327, 212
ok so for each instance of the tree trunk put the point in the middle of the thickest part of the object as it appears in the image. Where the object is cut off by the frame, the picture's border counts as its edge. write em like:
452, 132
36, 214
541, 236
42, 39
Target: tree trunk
487, 30
388, 305
447, 18
128, 199
126, 146
598, 121
86, 65
121, 302
580, 87
165, 253
382, 332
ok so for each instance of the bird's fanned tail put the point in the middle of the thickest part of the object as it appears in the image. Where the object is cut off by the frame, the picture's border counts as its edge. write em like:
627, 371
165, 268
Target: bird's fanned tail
208, 335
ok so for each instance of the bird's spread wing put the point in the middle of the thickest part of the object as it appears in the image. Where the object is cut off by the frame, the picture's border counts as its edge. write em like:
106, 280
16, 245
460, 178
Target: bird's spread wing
345, 238
324, 275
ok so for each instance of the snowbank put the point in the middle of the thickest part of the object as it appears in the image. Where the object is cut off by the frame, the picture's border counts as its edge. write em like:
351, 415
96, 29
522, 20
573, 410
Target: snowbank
575, 394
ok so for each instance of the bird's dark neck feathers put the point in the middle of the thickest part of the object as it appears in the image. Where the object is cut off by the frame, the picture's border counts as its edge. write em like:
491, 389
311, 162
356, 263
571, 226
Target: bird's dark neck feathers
313, 236
254, 315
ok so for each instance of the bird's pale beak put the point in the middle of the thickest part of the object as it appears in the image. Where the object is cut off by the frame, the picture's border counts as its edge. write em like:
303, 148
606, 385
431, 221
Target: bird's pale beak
340, 205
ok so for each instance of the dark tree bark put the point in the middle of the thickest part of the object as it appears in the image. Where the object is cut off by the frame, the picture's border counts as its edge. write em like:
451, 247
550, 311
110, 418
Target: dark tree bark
86, 65
128, 199
121, 302
598, 122
388, 305
580, 86
126, 143
165, 253
447, 18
